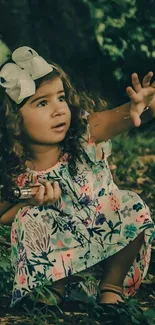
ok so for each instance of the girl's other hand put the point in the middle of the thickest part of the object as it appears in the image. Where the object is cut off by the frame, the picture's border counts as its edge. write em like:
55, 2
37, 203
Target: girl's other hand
141, 96
44, 194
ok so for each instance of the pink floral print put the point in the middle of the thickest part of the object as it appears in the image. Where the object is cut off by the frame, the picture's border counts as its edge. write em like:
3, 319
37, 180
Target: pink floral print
92, 221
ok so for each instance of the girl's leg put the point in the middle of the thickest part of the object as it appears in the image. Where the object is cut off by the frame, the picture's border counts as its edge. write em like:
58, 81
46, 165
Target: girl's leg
116, 268
58, 288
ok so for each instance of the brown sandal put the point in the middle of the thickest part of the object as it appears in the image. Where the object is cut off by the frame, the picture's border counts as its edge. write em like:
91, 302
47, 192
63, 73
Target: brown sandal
120, 294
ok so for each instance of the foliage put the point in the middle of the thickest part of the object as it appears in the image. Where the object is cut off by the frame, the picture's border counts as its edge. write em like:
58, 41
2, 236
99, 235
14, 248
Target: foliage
126, 44
99, 43
6, 272
133, 165
120, 30
4, 52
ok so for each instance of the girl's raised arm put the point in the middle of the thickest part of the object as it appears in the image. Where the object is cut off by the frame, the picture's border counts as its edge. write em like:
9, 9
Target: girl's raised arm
107, 124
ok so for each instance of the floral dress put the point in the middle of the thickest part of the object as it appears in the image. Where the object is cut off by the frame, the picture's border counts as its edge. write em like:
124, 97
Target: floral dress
91, 221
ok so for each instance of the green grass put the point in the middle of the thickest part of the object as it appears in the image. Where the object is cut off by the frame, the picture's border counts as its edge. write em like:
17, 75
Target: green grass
134, 161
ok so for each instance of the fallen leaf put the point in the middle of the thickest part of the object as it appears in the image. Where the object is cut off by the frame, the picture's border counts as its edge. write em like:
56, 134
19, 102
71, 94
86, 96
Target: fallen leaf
146, 159
142, 180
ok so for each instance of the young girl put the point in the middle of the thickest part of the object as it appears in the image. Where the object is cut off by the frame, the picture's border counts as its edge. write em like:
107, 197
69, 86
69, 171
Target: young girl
81, 218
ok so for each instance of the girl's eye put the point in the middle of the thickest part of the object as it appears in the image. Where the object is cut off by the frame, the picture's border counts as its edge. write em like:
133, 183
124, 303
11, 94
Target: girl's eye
62, 98
42, 103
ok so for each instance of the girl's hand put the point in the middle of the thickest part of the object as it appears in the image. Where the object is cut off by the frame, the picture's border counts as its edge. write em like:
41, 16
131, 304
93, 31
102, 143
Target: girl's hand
44, 194
141, 96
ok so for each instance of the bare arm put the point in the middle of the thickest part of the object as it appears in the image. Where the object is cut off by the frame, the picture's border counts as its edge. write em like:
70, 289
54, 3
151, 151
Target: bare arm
108, 124
5, 206
8, 216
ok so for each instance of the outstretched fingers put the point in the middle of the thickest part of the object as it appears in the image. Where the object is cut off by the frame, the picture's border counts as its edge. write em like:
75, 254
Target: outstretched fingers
133, 95
135, 117
147, 79
141, 95
135, 82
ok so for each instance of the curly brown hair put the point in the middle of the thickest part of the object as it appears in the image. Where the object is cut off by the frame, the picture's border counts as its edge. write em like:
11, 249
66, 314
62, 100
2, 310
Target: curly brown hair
14, 152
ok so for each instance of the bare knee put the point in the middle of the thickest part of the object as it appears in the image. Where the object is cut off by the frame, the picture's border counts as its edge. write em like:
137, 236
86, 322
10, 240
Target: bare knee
139, 239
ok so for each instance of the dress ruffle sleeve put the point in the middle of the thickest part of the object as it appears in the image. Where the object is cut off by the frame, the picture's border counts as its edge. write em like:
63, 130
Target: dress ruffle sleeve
90, 147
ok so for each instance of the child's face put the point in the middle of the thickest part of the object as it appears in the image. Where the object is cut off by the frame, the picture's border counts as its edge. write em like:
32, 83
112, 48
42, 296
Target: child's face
44, 111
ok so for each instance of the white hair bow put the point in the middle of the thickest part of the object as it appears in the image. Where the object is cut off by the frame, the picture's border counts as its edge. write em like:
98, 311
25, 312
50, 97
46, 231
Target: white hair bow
18, 78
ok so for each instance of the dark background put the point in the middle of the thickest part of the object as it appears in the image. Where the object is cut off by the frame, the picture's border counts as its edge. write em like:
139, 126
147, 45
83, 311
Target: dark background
98, 42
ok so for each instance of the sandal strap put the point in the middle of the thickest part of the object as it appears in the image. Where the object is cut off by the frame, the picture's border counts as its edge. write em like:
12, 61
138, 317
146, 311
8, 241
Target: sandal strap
113, 291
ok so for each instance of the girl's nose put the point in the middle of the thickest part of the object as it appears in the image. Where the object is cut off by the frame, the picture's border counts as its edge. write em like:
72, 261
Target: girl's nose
58, 110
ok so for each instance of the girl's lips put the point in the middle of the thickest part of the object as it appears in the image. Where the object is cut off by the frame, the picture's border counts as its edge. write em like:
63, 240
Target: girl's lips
60, 127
